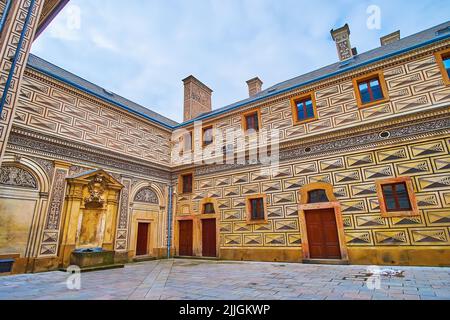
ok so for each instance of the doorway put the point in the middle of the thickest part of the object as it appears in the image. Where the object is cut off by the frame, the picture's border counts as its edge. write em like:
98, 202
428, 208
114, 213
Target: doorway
209, 242
323, 236
142, 239
186, 238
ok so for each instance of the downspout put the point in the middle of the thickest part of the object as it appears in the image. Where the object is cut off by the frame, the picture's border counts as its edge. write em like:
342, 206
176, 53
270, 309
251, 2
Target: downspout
169, 222
5, 15
16, 55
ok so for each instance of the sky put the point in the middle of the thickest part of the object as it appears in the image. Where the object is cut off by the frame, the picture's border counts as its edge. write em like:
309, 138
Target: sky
142, 49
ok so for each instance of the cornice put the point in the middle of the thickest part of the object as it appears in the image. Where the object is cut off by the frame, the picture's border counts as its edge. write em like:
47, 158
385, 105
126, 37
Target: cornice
31, 142
369, 139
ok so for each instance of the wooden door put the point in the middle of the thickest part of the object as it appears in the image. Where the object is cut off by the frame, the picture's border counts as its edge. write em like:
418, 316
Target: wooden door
142, 239
209, 238
323, 237
185, 238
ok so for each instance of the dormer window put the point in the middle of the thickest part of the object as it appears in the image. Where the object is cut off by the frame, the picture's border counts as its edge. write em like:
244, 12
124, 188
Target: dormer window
371, 90
304, 109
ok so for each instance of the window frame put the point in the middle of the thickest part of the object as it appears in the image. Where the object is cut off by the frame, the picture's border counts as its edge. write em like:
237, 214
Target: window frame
248, 113
249, 209
440, 61
204, 208
181, 183
303, 97
204, 129
385, 213
367, 78
182, 141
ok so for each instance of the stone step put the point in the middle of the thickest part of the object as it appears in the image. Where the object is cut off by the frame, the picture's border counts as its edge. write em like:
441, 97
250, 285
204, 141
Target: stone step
98, 268
326, 261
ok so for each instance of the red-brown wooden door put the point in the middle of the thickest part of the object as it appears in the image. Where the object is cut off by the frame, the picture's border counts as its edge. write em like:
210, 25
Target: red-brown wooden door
142, 239
209, 238
323, 237
185, 238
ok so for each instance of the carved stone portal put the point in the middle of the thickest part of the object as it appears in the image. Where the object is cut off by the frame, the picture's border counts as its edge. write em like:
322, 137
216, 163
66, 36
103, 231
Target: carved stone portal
91, 213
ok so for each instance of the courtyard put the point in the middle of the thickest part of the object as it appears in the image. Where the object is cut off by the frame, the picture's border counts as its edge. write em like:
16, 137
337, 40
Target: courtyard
219, 280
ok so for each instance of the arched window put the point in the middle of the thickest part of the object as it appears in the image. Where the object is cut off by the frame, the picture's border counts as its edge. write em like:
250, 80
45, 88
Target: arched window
317, 196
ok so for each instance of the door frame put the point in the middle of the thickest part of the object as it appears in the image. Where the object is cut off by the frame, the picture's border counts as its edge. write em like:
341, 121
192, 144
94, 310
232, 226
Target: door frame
149, 230
333, 204
209, 217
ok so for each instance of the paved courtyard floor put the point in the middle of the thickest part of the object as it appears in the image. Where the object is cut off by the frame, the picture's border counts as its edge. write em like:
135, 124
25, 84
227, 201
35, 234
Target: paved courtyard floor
213, 280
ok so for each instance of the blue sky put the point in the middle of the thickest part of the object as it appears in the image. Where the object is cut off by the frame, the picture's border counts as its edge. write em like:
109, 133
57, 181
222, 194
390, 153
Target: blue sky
142, 49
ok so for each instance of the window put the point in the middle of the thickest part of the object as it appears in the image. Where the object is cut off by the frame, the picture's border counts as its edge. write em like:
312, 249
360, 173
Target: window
317, 196
185, 143
207, 136
186, 183
208, 208
251, 121
256, 209
443, 60
371, 90
304, 109
396, 197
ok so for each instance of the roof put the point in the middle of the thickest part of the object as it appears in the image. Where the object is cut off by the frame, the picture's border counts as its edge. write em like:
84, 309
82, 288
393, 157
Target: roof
403, 45
51, 70
435, 34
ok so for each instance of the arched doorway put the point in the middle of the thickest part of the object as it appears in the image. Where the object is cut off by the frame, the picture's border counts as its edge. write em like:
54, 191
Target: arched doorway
321, 224
147, 221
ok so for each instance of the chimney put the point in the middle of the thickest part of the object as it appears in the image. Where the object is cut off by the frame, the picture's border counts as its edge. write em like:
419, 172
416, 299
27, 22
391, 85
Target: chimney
342, 38
254, 86
197, 98
390, 38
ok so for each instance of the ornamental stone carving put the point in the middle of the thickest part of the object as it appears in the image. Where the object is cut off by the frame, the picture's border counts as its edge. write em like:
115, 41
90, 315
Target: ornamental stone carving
146, 195
17, 177
96, 190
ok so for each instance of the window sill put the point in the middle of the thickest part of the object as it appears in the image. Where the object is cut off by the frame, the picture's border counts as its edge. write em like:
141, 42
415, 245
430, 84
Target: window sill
400, 214
298, 123
257, 222
371, 104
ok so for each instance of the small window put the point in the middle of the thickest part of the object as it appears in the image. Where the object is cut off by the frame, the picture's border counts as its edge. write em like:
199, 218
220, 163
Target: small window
397, 198
317, 196
304, 109
371, 90
207, 136
443, 60
208, 208
186, 181
187, 142
251, 121
256, 209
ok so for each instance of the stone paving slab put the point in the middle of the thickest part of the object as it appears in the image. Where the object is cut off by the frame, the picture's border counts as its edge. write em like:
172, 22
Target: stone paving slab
223, 280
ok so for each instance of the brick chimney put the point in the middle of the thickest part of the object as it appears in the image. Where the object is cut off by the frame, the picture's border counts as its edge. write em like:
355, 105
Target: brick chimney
342, 38
254, 86
197, 98
390, 38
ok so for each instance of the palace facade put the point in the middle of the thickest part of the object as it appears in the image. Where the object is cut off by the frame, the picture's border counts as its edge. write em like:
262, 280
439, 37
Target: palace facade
363, 174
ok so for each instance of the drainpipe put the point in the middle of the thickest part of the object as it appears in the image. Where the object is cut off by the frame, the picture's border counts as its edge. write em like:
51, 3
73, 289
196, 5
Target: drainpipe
5, 15
169, 222
17, 53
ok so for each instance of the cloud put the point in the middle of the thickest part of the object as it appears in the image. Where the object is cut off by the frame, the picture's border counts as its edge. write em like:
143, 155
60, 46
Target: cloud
142, 49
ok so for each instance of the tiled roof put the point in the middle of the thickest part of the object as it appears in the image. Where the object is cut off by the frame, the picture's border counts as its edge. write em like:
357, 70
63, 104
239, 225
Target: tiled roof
434, 34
